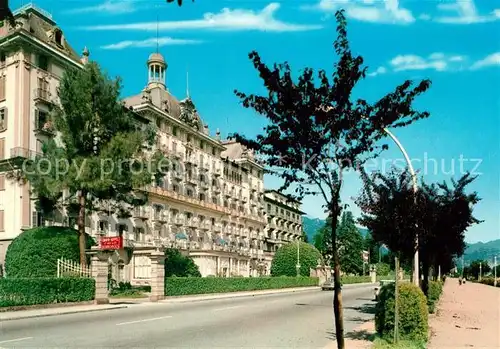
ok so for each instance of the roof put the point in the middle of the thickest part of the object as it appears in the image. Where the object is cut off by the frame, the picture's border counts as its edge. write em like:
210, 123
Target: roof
159, 97
39, 24
156, 57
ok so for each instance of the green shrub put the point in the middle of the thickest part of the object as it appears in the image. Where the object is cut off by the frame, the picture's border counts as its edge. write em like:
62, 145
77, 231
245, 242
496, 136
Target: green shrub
413, 312
383, 269
350, 279
34, 252
285, 259
176, 264
433, 294
490, 281
24, 291
175, 286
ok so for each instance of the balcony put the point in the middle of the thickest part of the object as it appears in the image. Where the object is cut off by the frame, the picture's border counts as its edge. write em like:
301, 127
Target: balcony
160, 216
44, 125
178, 220
206, 225
216, 171
42, 95
191, 160
192, 222
141, 213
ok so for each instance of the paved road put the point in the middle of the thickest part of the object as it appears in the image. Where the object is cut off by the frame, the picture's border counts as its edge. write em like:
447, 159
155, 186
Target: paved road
291, 320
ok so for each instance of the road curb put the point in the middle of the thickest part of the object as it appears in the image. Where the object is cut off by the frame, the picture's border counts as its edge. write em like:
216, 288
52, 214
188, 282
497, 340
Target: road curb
22, 317
202, 298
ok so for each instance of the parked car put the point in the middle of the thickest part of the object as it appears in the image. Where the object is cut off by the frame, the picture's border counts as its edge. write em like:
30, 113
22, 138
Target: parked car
328, 285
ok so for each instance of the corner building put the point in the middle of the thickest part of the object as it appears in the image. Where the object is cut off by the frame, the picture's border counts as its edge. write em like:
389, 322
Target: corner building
211, 205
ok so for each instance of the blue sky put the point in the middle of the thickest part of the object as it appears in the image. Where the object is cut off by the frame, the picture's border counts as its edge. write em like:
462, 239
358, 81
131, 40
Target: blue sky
454, 43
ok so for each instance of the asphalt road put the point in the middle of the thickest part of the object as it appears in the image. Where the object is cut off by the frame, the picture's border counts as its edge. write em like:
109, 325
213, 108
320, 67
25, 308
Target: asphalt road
290, 320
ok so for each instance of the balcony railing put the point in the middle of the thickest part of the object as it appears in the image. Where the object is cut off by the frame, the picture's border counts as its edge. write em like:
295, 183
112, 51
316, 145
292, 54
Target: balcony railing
42, 95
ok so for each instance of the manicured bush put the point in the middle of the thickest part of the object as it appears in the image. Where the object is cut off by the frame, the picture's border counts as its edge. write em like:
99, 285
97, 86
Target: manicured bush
349, 279
433, 294
34, 252
413, 312
24, 291
179, 286
176, 264
285, 259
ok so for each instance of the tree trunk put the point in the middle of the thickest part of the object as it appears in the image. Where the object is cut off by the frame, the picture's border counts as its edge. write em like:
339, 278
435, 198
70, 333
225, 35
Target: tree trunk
81, 228
337, 296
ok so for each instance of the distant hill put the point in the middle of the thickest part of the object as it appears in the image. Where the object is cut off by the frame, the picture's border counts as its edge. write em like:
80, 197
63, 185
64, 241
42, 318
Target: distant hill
482, 251
312, 225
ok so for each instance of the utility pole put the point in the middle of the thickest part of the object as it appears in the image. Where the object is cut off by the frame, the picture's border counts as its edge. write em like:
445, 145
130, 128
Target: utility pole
396, 301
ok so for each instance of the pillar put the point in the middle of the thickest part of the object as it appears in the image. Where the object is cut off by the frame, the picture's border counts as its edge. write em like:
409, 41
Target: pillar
157, 276
100, 274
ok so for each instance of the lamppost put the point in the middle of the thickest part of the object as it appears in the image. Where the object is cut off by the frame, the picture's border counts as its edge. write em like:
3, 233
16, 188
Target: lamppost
416, 264
298, 257
495, 271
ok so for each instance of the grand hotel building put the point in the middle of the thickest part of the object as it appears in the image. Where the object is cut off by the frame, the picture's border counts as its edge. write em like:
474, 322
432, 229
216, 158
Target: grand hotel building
212, 204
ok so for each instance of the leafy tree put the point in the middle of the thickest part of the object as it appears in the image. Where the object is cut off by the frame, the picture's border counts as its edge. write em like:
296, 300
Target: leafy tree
176, 264
285, 259
439, 214
316, 130
179, 2
323, 242
475, 267
350, 244
102, 156
373, 248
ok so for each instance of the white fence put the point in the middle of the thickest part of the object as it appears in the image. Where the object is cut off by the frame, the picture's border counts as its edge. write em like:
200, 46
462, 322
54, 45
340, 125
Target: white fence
66, 267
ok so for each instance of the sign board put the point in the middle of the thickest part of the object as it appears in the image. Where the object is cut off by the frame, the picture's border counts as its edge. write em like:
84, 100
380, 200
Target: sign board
366, 256
111, 243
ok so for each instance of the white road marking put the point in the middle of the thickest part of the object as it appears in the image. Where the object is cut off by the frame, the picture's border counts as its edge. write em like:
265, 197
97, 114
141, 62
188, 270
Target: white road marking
15, 340
228, 308
144, 320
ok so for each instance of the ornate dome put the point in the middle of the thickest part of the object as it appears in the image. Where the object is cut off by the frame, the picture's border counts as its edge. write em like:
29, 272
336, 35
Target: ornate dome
156, 58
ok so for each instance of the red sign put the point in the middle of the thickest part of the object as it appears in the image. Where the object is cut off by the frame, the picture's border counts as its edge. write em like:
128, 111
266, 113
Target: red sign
111, 243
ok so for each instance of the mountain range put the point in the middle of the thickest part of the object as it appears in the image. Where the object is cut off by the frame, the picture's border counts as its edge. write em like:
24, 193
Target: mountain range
476, 251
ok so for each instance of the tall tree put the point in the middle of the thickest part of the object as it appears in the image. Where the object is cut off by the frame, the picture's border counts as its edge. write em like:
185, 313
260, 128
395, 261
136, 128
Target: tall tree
439, 214
305, 238
350, 245
316, 130
323, 242
102, 153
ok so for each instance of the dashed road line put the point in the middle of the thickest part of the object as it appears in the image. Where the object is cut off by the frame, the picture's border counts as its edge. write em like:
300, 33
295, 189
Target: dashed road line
143, 320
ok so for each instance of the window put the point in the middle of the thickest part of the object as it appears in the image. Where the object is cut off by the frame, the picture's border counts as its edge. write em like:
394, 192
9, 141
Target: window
189, 192
202, 197
2, 228
174, 147
2, 148
41, 119
202, 145
2, 182
269, 207
3, 119
213, 151
214, 183
158, 123
3, 81
58, 37
175, 188
2, 59
43, 62
214, 200
174, 131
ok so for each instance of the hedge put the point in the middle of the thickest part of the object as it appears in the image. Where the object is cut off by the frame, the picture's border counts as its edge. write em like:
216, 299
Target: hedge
285, 259
179, 286
490, 281
345, 280
24, 291
34, 252
433, 294
413, 312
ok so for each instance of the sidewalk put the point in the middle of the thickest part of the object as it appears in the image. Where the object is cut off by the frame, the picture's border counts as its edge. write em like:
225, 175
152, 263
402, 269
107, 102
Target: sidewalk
34, 313
467, 316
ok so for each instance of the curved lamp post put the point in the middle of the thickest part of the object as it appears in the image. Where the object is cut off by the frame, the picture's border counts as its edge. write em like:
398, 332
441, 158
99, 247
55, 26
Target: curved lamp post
416, 264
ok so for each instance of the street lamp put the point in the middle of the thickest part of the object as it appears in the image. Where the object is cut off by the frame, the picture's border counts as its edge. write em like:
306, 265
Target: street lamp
416, 264
298, 257
495, 272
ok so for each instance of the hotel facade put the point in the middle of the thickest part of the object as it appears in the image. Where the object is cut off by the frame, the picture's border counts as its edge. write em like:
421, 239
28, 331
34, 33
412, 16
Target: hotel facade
212, 204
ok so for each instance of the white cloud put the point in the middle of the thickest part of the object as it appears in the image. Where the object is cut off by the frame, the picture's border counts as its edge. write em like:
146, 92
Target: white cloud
437, 61
490, 60
465, 13
108, 7
379, 71
226, 19
153, 42
387, 11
